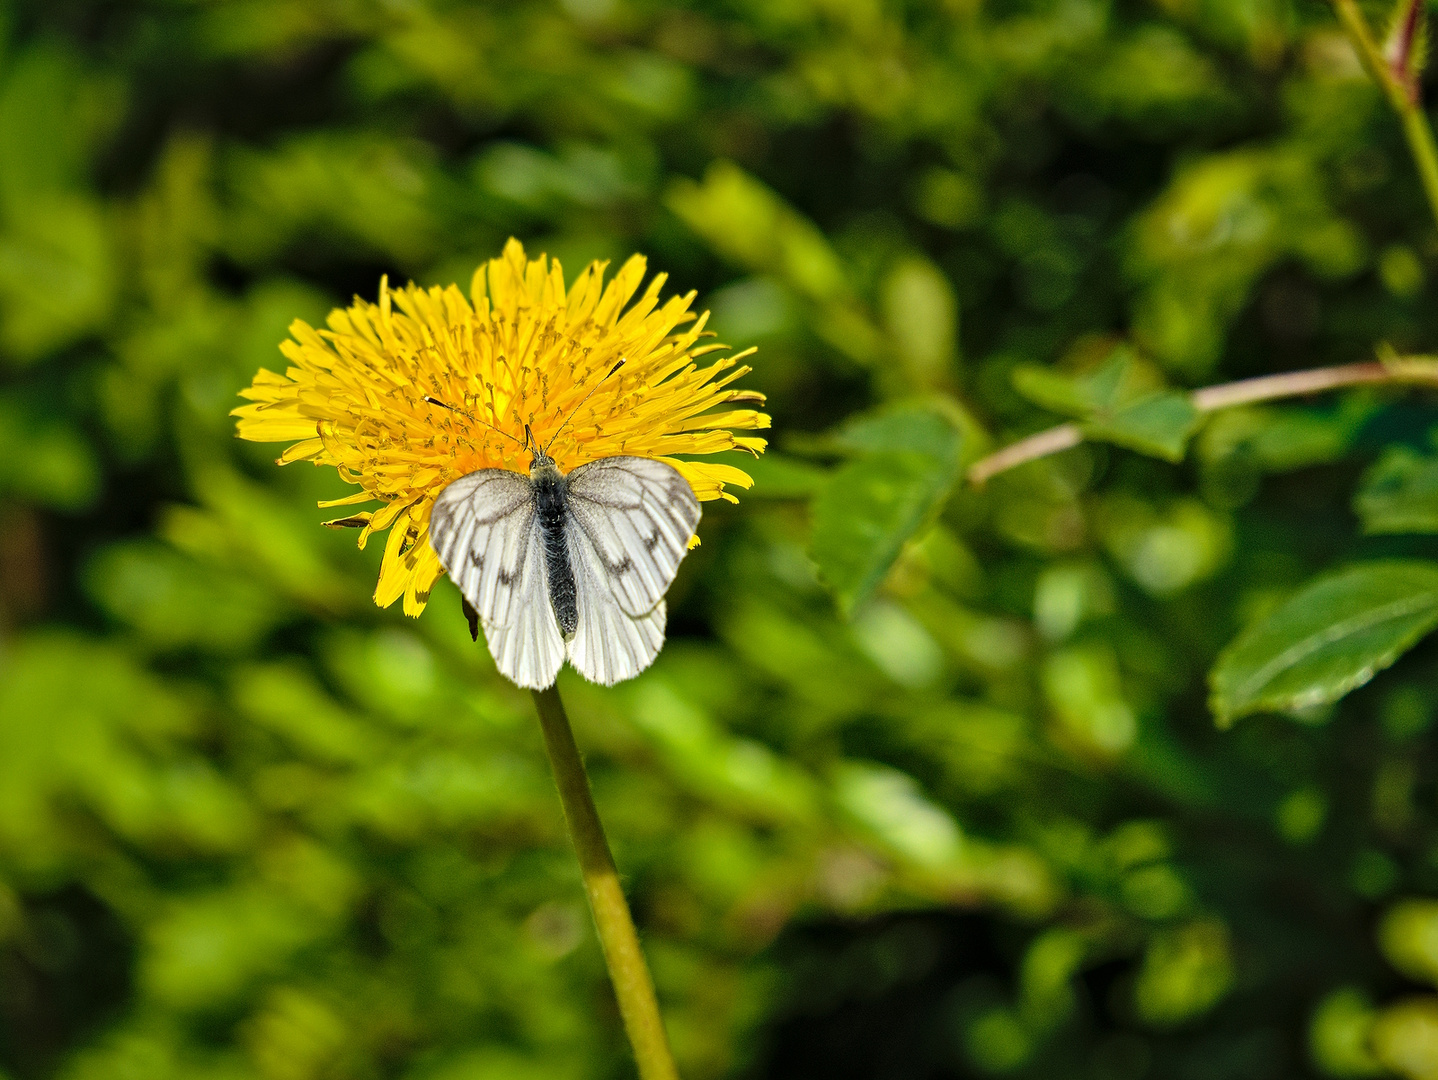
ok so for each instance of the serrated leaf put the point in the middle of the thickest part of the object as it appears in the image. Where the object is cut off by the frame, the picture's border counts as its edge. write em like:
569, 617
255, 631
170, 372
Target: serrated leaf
1121, 402
1159, 426
1116, 383
1399, 494
908, 460
1327, 640
921, 428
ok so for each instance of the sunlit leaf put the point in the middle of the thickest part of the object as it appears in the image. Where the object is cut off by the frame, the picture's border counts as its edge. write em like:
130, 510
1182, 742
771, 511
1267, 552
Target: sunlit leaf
1118, 382
1159, 426
1330, 638
1121, 401
908, 459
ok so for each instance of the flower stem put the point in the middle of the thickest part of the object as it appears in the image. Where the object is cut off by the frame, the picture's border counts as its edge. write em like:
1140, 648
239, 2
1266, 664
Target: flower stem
617, 937
1402, 93
1421, 370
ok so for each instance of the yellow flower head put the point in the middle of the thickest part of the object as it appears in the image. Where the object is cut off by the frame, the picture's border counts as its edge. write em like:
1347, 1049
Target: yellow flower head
521, 350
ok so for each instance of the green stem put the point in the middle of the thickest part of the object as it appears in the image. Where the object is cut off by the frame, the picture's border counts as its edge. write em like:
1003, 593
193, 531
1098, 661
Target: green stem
1401, 95
617, 937
1425, 153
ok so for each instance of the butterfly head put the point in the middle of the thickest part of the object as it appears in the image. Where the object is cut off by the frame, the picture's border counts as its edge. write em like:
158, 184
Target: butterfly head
539, 461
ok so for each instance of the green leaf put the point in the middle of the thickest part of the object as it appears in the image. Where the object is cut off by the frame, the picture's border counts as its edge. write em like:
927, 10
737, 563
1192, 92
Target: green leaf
752, 226
58, 278
908, 459
1330, 638
1159, 426
1121, 402
1116, 383
44, 459
176, 602
1275, 440
1399, 494
778, 476
923, 428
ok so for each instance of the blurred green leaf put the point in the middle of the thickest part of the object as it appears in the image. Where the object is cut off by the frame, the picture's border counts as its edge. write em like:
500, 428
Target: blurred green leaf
81, 725
366, 188
1202, 245
57, 277
921, 316
1328, 639
1399, 494
751, 225
51, 110
1121, 402
176, 602
908, 459
1402, 1037
1120, 381
777, 476
1159, 426
1165, 549
1282, 439
1338, 1037
1085, 692
206, 950
44, 459
1408, 936
1186, 971
891, 806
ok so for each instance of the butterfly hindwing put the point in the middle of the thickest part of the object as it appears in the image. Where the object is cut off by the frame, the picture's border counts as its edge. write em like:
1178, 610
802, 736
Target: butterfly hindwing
630, 520
485, 531
609, 645
527, 647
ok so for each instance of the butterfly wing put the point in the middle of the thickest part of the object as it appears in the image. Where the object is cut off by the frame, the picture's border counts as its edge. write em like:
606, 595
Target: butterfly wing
629, 526
484, 529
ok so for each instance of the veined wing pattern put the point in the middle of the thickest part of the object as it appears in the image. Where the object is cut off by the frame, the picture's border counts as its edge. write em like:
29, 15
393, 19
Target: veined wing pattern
630, 521
485, 531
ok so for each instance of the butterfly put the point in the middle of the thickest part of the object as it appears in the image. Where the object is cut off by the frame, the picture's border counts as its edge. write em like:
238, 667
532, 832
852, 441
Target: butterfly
566, 566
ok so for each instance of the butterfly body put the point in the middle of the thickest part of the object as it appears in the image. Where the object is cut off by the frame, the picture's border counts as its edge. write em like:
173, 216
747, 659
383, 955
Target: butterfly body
551, 508
569, 566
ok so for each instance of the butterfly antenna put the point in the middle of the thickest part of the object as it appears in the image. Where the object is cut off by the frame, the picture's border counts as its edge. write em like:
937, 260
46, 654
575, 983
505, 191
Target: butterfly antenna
622, 361
469, 416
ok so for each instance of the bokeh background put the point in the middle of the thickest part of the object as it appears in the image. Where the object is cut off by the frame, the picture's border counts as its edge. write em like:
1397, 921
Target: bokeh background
957, 809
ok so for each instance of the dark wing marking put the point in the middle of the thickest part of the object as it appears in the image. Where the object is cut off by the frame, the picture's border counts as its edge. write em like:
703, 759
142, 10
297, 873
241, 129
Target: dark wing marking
608, 644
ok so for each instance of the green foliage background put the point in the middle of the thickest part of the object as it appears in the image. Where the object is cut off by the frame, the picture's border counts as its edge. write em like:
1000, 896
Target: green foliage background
927, 782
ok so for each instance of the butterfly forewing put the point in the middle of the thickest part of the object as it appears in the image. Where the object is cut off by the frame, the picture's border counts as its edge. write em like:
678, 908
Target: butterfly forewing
638, 516
630, 520
484, 529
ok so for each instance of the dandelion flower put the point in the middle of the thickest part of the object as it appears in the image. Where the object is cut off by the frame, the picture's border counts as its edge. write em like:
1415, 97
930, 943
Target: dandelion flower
521, 350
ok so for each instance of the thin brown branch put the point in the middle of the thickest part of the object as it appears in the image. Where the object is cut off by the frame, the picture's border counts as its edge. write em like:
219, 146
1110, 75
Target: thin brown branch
1420, 370
1051, 441
1288, 384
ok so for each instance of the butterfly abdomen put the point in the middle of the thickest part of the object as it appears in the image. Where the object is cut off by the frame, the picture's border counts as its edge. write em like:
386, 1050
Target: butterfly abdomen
551, 505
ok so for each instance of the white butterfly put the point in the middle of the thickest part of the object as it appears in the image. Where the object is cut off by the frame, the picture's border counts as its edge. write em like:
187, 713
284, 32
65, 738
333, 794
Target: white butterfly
570, 565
